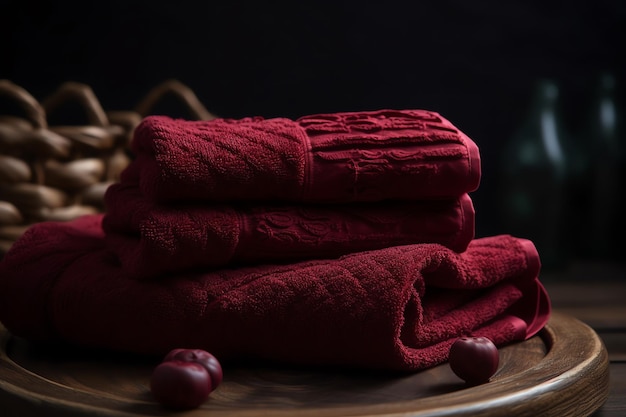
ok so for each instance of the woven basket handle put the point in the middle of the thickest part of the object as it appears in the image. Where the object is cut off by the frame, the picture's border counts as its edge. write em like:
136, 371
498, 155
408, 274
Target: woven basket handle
33, 110
85, 96
45, 142
182, 92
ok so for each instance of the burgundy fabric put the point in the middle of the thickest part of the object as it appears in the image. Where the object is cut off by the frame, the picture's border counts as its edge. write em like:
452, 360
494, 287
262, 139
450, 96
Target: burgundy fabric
395, 308
153, 239
341, 157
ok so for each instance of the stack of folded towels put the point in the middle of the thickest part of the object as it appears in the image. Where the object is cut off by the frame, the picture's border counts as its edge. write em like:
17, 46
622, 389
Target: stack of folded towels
340, 239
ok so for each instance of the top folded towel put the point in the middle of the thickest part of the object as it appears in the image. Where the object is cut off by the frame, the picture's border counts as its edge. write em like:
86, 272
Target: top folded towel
331, 158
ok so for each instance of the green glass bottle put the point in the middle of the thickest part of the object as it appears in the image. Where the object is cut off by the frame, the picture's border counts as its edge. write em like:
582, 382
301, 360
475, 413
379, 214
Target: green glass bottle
533, 180
604, 134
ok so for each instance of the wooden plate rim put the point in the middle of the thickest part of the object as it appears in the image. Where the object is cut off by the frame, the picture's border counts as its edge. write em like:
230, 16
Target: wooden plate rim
561, 378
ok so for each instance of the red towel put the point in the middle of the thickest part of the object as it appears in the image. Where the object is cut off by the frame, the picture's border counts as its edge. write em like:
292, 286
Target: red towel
397, 308
342, 157
152, 239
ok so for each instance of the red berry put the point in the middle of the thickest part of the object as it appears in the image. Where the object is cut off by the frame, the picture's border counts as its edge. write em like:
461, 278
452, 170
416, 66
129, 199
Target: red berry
202, 357
474, 359
180, 385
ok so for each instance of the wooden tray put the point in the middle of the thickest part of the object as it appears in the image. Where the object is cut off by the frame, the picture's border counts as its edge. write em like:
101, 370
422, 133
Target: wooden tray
562, 371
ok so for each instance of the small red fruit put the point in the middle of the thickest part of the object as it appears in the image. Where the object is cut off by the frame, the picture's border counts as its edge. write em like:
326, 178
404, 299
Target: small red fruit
474, 359
180, 385
202, 357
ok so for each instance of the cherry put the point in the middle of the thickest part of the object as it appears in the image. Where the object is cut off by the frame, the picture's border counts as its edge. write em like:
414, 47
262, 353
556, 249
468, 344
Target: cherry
202, 357
180, 385
474, 359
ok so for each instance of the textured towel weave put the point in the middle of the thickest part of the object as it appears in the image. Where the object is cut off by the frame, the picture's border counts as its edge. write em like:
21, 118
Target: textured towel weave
396, 308
152, 239
341, 157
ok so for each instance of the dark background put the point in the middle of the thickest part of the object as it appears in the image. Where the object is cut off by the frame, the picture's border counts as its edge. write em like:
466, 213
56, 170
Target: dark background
476, 63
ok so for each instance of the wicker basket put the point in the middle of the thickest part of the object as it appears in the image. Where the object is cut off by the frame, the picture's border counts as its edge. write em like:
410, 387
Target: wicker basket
60, 172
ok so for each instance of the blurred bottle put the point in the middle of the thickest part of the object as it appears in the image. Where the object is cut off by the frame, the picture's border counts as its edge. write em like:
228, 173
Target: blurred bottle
604, 135
534, 178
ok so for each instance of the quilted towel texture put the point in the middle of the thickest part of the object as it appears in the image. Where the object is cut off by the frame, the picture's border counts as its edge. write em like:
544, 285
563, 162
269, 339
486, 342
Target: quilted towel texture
341, 239
396, 308
340, 157
153, 239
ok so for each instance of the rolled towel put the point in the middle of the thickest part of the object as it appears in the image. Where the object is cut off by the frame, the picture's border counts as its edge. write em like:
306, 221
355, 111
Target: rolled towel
341, 157
397, 308
153, 239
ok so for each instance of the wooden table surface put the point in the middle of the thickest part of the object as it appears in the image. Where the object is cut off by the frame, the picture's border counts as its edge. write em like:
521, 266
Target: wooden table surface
595, 293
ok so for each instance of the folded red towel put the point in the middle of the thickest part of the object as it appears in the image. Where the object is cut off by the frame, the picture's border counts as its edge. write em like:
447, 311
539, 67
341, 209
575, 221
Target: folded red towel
397, 308
151, 239
342, 157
